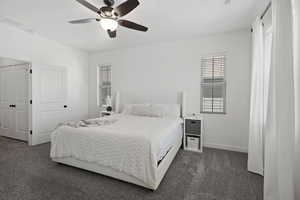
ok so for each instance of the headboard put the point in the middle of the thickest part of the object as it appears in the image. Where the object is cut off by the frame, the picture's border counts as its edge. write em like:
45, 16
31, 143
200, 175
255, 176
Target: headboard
181, 100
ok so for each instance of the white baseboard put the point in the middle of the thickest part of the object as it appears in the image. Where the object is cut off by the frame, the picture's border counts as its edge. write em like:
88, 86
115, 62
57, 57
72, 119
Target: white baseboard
226, 147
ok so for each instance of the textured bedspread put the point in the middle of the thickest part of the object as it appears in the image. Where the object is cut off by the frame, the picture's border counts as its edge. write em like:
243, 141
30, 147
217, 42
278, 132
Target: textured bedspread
89, 123
129, 145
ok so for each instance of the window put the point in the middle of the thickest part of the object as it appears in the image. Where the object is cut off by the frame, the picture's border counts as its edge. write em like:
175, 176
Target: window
213, 84
104, 84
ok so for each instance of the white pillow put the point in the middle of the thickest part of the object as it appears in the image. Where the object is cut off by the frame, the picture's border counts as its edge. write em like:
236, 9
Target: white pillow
141, 110
157, 111
127, 109
166, 110
153, 110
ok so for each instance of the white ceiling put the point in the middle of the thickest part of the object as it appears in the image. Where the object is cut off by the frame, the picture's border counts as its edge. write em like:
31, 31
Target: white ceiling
168, 20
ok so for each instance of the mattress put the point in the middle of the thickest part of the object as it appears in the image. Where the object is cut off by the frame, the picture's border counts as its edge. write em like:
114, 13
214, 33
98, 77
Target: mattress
170, 137
132, 144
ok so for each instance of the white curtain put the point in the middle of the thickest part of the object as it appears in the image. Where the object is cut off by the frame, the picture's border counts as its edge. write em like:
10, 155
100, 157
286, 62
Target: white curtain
267, 59
257, 107
296, 20
279, 182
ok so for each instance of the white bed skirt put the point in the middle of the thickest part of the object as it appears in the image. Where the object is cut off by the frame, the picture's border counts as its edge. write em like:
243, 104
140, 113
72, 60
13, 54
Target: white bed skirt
108, 171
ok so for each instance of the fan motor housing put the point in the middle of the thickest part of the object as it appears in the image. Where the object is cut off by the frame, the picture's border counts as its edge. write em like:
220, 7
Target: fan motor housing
108, 12
109, 2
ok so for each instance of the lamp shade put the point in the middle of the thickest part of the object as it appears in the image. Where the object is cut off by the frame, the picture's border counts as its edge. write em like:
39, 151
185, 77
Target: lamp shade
109, 24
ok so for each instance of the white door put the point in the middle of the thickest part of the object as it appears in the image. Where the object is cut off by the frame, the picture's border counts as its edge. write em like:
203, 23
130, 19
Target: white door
49, 92
14, 102
20, 106
6, 98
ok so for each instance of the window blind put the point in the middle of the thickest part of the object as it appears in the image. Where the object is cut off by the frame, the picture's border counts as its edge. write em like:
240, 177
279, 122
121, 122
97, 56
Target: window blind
213, 84
104, 83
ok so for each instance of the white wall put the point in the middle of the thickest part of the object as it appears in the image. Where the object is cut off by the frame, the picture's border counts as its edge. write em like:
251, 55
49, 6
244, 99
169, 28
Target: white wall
17, 44
157, 73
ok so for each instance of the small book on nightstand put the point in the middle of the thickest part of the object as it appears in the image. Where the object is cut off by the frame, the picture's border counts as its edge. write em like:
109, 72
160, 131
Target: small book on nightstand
193, 133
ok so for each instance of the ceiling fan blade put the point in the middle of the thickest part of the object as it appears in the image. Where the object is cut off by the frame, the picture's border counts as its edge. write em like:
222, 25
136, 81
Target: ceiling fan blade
83, 21
132, 25
112, 34
88, 5
126, 7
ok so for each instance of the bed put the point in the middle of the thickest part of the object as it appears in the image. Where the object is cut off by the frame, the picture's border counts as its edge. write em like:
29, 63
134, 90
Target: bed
134, 148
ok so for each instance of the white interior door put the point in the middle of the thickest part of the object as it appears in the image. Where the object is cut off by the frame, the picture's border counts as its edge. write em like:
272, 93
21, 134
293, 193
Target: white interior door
14, 102
49, 101
6, 98
21, 103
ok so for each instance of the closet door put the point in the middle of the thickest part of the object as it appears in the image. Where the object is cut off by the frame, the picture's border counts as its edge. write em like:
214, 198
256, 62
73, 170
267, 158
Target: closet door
6, 98
20, 114
14, 102
49, 101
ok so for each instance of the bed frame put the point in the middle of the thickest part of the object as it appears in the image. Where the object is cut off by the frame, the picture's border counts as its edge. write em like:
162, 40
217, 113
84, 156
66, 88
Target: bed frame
108, 171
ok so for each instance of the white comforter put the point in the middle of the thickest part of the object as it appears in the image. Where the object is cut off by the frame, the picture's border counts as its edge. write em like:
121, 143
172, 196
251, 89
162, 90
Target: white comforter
130, 145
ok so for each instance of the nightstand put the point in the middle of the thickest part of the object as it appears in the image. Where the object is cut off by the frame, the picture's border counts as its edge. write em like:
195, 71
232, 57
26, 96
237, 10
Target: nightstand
193, 133
106, 113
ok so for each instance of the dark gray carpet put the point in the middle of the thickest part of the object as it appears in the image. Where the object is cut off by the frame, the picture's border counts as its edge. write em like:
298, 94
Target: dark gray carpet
27, 173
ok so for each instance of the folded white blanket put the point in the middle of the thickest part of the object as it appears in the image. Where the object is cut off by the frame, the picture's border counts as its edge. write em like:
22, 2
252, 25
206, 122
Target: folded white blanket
88, 122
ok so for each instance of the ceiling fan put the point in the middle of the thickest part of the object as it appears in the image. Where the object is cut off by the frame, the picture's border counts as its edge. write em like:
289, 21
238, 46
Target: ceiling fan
109, 17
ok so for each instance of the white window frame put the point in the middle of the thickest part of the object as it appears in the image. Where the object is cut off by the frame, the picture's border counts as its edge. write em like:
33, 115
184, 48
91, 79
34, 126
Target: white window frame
224, 83
99, 82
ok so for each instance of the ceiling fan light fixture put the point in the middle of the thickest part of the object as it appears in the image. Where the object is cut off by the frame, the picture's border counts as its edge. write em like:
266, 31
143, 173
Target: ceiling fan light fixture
109, 16
109, 24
